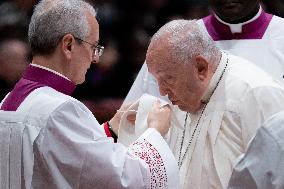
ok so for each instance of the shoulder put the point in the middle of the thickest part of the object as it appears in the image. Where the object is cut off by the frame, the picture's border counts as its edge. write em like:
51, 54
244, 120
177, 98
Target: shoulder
243, 70
72, 107
245, 82
274, 127
201, 22
277, 20
42, 98
73, 117
56, 102
46, 100
275, 28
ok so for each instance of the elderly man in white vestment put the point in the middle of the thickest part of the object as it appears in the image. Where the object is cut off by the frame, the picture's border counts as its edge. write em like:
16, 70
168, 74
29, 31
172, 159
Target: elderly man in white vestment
261, 167
227, 99
240, 27
61, 143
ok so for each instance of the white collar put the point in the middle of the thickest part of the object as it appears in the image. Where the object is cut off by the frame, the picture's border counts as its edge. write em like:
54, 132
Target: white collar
50, 70
217, 76
237, 28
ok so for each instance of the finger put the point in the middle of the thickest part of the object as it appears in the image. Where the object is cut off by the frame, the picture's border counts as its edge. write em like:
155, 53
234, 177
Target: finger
131, 118
126, 106
157, 104
166, 105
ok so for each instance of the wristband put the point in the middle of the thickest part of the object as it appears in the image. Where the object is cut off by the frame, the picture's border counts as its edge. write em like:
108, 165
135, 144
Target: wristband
112, 133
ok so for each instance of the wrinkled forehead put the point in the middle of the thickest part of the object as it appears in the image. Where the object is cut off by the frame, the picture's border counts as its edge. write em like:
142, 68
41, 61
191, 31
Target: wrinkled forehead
158, 59
162, 66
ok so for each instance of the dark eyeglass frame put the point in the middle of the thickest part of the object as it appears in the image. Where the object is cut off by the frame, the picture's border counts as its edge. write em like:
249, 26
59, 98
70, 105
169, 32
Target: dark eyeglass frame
97, 49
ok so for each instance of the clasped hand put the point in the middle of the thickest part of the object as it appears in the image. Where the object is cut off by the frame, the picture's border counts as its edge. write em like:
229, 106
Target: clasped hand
158, 117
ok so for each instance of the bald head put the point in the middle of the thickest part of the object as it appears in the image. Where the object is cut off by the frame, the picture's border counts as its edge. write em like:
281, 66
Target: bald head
183, 40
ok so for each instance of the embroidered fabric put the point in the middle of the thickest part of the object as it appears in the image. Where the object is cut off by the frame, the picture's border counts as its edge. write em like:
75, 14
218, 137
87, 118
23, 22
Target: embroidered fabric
147, 152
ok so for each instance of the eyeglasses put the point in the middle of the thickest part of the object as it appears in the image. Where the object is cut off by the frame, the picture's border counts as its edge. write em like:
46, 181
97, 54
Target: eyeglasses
97, 49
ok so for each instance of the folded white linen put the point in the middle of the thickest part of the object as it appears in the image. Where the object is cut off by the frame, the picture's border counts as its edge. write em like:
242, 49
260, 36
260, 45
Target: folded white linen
128, 133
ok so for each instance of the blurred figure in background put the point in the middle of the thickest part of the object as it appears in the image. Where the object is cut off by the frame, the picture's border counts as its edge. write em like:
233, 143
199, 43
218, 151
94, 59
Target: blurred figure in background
15, 17
14, 55
14, 49
274, 6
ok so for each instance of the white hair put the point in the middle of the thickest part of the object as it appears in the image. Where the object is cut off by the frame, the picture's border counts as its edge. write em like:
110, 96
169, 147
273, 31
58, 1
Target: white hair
52, 19
186, 40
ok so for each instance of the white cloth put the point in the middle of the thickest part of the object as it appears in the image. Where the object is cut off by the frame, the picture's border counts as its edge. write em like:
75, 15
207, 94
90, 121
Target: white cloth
16, 134
262, 165
127, 132
71, 149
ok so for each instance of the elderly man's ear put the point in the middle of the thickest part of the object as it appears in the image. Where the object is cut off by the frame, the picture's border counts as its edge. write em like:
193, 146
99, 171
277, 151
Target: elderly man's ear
202, 67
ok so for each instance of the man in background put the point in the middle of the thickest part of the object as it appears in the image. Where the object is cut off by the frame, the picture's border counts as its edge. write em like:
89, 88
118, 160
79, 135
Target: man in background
14, 55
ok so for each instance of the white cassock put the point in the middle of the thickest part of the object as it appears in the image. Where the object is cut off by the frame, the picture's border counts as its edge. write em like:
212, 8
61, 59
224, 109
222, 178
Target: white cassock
261, 167
71, 149
244, 98
259, 40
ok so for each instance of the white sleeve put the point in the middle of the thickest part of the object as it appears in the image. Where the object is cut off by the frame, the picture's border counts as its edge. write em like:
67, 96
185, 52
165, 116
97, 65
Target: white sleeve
258, 105
72, 151
261, 167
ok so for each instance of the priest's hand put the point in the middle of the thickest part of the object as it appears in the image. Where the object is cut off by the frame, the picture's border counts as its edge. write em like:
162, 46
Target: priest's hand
159, 118
115, 121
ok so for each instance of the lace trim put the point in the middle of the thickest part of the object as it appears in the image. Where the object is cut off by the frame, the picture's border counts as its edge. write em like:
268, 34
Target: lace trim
147, 152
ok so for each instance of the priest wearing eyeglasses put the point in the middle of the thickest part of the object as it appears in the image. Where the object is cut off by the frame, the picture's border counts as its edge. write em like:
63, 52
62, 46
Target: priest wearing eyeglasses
51, 140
